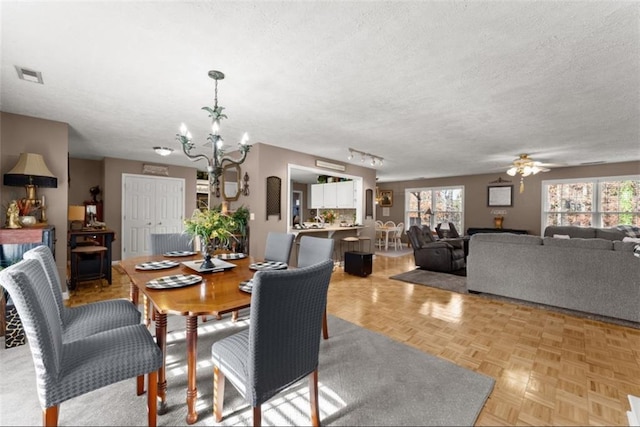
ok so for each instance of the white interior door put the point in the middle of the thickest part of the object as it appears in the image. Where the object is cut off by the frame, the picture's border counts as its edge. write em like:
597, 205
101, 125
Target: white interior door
150, 205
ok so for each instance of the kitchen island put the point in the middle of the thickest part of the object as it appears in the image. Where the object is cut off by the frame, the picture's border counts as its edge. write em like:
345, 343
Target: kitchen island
328, 230
334, 232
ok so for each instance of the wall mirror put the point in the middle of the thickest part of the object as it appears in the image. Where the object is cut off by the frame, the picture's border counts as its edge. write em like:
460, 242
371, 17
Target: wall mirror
231, 176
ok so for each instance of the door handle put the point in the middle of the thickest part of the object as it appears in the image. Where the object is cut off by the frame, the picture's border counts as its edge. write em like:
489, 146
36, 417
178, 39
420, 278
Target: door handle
148, 223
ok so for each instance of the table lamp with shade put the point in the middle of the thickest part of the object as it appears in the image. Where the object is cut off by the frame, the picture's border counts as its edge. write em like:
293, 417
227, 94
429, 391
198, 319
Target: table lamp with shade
76, 216
31, 172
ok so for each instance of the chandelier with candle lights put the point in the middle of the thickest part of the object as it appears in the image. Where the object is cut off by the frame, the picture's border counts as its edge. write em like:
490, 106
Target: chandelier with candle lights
218, 159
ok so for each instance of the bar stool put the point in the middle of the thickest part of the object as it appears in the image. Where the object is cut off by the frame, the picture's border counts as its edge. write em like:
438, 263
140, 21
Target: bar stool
363, 239
78, 252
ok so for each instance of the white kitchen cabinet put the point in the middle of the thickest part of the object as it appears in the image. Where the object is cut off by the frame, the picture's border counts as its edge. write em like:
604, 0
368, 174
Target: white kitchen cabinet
317, 196
345, 197
330, 195
334, 195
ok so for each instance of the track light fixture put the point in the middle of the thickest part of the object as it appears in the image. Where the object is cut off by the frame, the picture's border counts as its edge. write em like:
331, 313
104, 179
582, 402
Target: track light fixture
375, 160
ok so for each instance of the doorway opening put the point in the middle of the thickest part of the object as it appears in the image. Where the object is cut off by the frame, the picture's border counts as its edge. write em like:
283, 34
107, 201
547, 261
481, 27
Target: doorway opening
297, 213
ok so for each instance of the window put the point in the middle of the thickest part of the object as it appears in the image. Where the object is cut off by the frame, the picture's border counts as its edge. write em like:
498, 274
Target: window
591, 202
446, 204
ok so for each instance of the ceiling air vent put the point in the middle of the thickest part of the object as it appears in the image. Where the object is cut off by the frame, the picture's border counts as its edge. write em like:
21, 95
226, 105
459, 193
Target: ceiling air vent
29, 75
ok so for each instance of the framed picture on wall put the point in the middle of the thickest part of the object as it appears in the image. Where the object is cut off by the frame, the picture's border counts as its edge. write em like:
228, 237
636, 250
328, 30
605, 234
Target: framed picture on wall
500, 195
386, 198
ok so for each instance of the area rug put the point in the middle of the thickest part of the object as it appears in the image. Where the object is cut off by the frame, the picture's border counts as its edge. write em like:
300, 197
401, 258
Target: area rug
449, 282
364, 379
393, 252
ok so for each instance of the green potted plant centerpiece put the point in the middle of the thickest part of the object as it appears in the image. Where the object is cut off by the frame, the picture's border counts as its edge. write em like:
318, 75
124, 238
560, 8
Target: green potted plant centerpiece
212, 227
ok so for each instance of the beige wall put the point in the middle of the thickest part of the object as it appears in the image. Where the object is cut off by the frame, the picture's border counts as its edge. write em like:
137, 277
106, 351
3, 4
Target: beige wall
22, 134
84, 174
527, 206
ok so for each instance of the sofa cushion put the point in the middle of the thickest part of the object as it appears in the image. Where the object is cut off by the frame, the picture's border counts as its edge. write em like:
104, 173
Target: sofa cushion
522, 239
573, 231
602, 244
609, 233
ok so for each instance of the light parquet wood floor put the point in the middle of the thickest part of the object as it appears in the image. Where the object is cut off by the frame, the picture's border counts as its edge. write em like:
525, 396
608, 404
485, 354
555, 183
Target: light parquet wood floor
550, 368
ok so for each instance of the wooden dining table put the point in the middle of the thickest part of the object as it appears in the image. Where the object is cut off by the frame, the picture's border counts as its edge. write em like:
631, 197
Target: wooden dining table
216, 294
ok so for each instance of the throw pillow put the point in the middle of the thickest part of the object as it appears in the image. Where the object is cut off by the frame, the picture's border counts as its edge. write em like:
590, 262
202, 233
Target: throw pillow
631, 230
561, 236
631, 239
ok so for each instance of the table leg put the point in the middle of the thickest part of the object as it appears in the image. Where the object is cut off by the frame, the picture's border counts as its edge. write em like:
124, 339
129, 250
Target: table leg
386, 240
133, 294
161, 340
133, 297
192, 348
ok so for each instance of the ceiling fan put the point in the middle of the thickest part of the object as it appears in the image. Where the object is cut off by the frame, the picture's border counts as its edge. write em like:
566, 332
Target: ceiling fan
525, 166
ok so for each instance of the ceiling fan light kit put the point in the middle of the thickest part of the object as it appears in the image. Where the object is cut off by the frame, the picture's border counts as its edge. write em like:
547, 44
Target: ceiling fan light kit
525, 166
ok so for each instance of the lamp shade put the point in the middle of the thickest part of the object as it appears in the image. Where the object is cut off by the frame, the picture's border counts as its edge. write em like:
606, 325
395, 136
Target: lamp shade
76, 213
30, 170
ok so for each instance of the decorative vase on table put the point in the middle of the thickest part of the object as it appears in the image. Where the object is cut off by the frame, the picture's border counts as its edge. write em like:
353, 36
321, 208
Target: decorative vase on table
207, 248
28, 220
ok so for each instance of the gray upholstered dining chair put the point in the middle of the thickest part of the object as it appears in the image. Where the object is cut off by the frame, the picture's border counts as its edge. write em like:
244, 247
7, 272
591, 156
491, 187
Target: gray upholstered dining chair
278, 247
312, 251
82, 321
281, 345
65, 370
167, 242
161, 243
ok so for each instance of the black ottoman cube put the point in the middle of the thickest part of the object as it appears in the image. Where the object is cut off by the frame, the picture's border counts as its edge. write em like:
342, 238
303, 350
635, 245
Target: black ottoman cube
358, 263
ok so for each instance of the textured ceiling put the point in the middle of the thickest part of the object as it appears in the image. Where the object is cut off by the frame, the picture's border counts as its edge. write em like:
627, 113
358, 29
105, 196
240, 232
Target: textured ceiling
437, 88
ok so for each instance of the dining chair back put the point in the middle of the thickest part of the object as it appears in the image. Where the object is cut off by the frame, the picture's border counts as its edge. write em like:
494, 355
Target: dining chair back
167, 242
312, 251
379, 242
278, 247
281, 345
82, 321
397, 236
65, 370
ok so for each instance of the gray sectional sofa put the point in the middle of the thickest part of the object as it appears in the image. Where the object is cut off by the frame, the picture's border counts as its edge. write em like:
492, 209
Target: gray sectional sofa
594, 275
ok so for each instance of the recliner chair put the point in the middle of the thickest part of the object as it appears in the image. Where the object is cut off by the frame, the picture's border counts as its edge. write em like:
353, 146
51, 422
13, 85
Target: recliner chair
447, 234
443, 255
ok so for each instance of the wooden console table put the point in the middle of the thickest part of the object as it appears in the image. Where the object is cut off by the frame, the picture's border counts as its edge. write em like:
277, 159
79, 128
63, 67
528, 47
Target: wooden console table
14, 242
